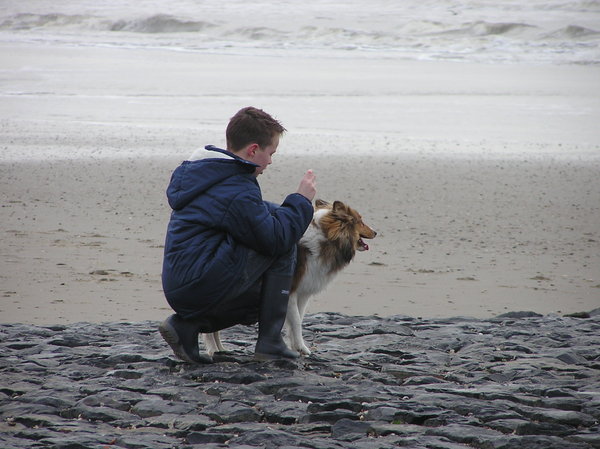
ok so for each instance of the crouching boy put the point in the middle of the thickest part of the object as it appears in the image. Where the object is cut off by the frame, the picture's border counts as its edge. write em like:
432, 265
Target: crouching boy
229, 256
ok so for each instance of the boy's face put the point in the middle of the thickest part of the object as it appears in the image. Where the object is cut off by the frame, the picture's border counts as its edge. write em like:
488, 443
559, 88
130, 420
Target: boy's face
263, 156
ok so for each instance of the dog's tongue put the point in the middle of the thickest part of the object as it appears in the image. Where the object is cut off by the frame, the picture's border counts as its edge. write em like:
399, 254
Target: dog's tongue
363, 246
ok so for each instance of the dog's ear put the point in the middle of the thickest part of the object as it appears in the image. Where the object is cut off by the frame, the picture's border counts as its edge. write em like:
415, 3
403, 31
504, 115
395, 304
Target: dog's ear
338, 205
321, 204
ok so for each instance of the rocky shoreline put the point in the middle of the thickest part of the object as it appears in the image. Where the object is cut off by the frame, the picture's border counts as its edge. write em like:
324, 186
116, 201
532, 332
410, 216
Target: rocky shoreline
520, 380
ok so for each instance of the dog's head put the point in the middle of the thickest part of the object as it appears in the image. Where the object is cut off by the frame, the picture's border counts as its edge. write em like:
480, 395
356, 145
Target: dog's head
340, 222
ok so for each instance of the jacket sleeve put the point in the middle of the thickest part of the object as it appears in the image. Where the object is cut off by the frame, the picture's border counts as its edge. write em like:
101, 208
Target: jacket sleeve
266, 229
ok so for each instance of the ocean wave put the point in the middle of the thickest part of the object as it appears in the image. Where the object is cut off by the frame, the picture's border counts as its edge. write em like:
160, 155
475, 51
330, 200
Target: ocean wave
482, 29
573, 32
159, 23
441, 36
27, 21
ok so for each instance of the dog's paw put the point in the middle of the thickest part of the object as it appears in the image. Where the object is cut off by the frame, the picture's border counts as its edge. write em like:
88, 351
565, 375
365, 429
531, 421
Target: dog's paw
303, 349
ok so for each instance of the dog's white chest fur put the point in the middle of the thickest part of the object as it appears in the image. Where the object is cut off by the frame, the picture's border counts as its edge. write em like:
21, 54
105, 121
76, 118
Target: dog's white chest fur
318, 273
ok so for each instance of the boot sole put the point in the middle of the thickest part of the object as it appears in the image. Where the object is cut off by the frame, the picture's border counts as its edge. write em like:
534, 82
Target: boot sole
263, 357
169, 334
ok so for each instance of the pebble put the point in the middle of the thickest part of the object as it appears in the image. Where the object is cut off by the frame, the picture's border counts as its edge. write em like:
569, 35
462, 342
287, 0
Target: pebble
519, 380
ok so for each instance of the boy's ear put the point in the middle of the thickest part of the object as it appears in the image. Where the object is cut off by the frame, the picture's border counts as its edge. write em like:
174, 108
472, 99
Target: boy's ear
251, 149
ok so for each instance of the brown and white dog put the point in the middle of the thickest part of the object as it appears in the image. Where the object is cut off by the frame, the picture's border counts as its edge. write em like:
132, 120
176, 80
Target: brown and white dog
328, 245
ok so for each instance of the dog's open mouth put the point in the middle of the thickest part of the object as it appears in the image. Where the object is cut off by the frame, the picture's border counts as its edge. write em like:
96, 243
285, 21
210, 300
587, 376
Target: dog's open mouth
362, 246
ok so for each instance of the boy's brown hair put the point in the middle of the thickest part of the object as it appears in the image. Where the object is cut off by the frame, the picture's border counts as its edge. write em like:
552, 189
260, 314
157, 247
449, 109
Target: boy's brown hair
251, 125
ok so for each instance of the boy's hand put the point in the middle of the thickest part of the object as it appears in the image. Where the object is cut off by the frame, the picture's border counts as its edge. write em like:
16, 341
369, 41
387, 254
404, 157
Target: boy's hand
308, 185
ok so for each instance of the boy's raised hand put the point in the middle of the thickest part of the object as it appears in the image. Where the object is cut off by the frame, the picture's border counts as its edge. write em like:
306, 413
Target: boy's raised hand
308, 185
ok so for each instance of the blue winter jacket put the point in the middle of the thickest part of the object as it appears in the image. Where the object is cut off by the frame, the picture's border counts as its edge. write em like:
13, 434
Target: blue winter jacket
218, 217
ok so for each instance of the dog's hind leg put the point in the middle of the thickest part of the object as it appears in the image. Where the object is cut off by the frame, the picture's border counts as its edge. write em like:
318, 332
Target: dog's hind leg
293, 323
212, 342
219, 345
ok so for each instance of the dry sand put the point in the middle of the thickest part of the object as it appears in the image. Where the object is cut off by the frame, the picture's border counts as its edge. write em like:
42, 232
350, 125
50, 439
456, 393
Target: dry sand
482, 181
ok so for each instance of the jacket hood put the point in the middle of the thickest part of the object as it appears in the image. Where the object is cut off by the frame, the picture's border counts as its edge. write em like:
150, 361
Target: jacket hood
192, 178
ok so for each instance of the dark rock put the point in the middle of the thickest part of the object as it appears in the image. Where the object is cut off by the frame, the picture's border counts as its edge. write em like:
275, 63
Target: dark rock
104, 414
202, 438
335, 405
282, 412
507, 425
579, 315
518, 315
227, 373
143, 440
156, 407
516, 381
330, 416
563, 417
16, 408
232, 412
268, 438
350, 429
471, 435
116, 399
594, 313
537, 442
591, 438
71, 341
542, 428
404, 430
571, 358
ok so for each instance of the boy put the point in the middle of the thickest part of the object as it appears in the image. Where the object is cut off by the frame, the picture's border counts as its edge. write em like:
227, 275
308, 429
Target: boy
229, 256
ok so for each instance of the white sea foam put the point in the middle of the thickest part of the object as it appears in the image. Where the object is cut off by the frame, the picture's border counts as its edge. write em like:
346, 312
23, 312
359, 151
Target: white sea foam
531, 31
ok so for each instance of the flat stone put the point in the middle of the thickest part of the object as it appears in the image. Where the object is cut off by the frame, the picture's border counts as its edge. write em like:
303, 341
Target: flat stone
282, 412
104, 414
329, 416
349, 429
203, 439
231, 412
563, 417
157, 406
264, 438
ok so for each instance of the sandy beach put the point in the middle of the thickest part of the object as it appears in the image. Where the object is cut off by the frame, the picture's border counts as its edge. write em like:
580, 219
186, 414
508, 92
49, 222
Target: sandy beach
481, 180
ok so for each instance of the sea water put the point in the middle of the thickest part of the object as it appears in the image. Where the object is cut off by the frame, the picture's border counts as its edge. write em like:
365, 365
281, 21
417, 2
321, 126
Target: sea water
496, 31
118, 77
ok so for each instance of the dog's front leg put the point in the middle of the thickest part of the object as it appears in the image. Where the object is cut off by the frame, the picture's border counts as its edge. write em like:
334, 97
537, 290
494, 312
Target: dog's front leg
293, 323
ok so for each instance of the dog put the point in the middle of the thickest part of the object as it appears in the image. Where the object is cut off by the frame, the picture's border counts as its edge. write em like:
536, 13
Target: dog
328, 245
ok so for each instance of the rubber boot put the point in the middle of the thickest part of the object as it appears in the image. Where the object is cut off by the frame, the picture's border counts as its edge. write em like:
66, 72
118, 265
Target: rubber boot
182, 336
273, 309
